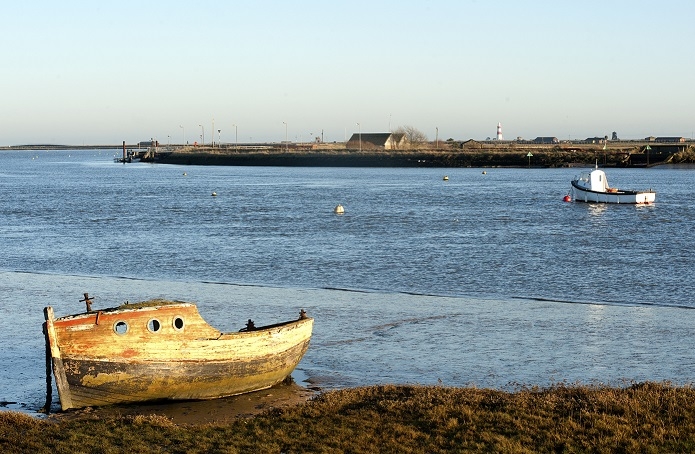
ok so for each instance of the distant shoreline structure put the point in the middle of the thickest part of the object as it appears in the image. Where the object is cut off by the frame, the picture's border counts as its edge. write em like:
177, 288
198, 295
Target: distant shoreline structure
444, 154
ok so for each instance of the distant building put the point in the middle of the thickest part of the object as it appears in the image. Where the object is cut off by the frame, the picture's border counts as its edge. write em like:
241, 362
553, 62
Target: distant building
595, 139
377, 141
670, 139
665, 139
471, 144
546, 140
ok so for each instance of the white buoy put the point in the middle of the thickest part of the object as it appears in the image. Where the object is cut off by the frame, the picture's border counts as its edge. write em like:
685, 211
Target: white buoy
214, 194
185, 174
339, 209
484, 172
446, 177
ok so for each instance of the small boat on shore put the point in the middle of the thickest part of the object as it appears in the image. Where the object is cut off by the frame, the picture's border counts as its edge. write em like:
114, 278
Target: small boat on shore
592, 186
164, 350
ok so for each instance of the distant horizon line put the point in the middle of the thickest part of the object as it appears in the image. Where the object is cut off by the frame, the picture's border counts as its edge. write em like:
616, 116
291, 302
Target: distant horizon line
144, 144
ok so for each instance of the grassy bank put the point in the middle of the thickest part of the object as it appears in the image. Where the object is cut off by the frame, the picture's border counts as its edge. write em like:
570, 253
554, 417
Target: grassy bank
406, 419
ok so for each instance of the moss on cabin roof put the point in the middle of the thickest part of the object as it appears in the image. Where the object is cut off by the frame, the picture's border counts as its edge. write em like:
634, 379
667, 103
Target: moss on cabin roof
149, 303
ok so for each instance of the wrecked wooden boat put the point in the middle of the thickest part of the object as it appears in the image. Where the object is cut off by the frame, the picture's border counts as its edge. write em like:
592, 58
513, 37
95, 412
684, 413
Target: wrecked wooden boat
164, 350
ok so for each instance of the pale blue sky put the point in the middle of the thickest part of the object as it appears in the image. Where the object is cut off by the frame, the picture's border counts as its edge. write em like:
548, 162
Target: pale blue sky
92, 72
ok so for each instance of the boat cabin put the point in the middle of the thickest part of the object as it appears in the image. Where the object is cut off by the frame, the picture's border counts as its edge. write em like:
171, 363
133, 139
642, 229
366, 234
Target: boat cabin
594, 181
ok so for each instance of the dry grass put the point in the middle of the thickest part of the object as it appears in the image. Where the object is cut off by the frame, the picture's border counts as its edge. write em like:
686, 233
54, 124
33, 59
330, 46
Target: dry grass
646, 417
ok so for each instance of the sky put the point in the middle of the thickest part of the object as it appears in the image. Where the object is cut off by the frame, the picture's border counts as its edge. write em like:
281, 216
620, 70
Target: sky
101, 72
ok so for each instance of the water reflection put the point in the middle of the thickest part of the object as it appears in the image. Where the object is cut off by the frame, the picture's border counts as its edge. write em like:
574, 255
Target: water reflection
597, 209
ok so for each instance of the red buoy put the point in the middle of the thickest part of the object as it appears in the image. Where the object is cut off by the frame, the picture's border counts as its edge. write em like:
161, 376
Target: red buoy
567, 198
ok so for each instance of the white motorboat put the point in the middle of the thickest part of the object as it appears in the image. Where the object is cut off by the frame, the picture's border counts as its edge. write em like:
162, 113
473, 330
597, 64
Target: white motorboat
592, 186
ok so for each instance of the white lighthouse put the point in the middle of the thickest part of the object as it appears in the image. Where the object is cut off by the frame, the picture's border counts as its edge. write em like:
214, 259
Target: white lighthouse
499, 131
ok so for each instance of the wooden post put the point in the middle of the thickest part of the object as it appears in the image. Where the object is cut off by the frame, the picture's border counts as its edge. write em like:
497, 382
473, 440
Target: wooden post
124, 153
56, 360
49, 385
88, 301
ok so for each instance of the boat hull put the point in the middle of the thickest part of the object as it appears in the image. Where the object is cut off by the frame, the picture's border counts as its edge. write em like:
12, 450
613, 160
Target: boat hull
185, 358
97, 383
624, 197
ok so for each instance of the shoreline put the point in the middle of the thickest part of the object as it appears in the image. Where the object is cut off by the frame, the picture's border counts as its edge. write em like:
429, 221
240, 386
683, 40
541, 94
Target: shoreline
420, 158
199, 412
450, 155
641, 417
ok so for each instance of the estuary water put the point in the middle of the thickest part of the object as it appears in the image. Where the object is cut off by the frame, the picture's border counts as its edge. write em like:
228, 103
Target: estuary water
488, 279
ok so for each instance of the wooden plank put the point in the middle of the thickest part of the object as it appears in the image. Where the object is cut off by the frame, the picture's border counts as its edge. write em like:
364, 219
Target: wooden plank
58, 369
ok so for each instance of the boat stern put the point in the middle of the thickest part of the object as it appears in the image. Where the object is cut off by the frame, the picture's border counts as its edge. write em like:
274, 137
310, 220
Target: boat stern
646, 197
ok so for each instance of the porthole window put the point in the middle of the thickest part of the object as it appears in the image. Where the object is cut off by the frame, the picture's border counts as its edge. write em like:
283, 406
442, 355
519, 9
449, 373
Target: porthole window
154, 325
178, 323
120, 327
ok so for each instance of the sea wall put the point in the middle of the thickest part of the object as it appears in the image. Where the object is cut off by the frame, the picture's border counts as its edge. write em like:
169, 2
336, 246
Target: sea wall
415, 158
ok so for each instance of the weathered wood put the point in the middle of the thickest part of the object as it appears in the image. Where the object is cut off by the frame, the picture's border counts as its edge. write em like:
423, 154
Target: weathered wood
49, 384
57, 362
166, 350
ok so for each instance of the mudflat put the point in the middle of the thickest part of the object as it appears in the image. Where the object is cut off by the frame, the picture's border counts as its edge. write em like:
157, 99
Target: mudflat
214, 411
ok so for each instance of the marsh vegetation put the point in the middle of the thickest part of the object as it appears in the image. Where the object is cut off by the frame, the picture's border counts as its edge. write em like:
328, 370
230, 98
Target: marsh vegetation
645, 417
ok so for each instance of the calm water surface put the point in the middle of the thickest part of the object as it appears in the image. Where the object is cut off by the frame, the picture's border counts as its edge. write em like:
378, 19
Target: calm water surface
484, 279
